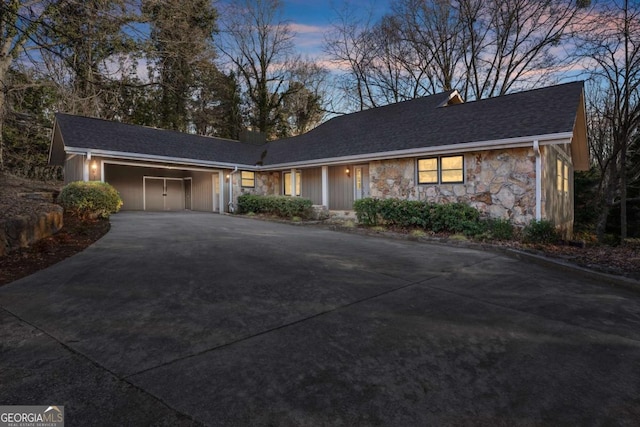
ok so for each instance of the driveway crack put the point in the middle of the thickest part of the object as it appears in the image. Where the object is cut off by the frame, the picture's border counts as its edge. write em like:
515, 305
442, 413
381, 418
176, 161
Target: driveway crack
282, 326
101, 367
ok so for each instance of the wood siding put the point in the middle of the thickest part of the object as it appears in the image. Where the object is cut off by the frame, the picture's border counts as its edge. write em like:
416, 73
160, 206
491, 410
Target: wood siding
128, 181
73, 168
202, 192
340, 188
557, 205
312, 185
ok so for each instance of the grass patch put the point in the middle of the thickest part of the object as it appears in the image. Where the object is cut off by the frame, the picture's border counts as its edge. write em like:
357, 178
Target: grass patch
458, 237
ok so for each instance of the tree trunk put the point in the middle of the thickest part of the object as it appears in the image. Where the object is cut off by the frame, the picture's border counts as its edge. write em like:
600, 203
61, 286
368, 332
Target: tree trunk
601, 225
607, 200
623, 194
3, 98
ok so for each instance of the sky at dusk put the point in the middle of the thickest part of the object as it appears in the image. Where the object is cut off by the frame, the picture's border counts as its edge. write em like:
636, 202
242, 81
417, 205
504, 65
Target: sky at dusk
311, 19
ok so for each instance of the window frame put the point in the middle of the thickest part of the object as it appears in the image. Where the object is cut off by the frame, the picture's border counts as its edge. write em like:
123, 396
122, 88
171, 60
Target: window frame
442, 181
252, 179
298, 183
436, 170
439, 170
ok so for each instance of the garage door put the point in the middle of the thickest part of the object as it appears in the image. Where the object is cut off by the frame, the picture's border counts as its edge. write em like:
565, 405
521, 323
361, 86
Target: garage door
163, 194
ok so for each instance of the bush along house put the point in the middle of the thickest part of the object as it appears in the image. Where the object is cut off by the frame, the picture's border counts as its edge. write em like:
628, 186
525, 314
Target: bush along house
511, 157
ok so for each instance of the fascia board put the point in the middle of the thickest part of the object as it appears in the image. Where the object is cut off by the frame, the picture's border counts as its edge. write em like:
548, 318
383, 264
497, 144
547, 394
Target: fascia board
156, 166
158, 159
53, 136
521, 142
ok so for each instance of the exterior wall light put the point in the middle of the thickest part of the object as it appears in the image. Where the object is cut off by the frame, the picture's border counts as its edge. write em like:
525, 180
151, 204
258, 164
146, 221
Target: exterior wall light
94, 168
348, 172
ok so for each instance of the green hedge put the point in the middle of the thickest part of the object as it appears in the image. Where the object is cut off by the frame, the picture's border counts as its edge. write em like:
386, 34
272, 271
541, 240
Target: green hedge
451, 217
90, 199
285, 207
542, 231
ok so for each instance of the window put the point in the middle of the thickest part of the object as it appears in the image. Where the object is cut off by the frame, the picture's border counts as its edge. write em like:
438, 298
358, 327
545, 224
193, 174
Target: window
428, 171
452, 169
562, 176
443, 170
287, 183
248, 179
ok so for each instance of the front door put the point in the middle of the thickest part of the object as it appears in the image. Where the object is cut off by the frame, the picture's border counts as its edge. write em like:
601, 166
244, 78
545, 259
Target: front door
360, 182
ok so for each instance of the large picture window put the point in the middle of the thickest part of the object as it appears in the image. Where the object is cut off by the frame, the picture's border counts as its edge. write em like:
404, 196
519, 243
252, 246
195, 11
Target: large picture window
287, 183
248, 179
444, 170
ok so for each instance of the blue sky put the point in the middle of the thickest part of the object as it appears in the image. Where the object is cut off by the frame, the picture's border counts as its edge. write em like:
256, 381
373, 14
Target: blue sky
311, 19
316, 12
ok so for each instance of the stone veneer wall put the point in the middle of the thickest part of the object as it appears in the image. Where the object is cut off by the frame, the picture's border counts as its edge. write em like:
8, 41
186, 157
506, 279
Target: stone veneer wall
499, 183
267, 184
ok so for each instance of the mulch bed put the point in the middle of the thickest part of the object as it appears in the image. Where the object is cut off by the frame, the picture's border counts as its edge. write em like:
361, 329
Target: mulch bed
74, 236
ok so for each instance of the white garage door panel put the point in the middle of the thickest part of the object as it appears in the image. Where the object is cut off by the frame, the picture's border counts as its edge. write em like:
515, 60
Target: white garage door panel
153, 194
174, 199
163, 194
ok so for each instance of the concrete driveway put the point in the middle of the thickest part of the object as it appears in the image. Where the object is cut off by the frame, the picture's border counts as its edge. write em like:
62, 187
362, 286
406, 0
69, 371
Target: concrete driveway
181, 319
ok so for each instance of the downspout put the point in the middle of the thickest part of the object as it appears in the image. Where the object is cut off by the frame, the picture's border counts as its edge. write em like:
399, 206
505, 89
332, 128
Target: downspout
232, 208
536, 149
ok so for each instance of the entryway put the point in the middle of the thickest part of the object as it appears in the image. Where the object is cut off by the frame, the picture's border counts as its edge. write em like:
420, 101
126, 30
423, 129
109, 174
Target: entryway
360, 182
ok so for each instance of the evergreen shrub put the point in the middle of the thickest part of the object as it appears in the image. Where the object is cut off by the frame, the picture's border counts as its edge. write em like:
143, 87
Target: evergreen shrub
543, 232
91, 199
281, 206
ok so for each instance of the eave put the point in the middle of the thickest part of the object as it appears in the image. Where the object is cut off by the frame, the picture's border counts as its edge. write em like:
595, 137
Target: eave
154, 158
520, 142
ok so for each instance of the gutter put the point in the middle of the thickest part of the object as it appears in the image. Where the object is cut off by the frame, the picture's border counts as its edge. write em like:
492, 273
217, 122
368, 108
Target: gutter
536, 149
520, 142
154, 158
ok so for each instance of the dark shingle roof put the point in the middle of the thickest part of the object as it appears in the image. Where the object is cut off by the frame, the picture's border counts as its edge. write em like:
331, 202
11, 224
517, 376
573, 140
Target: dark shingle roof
419, 123
422, 123
98, 134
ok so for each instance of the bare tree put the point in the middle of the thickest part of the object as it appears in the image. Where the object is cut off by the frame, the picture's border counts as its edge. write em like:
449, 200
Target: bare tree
349, 46
19, 23
434, 31
302, 107
483, 48
515, 43
612, 43
258, 43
